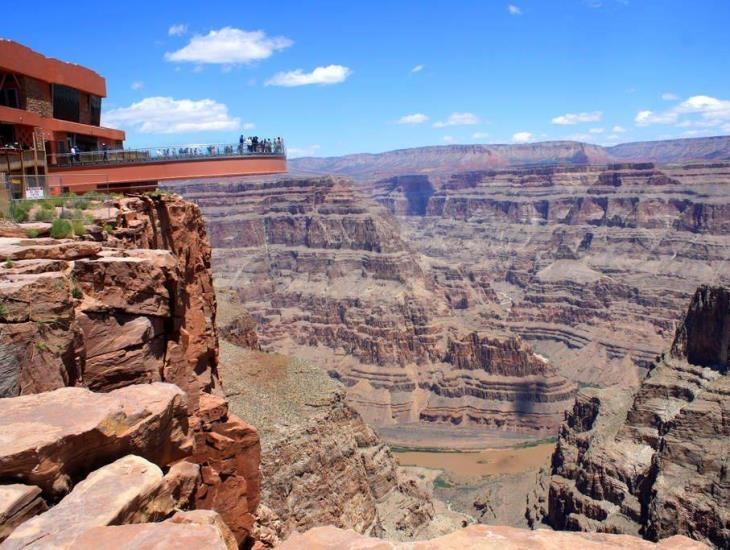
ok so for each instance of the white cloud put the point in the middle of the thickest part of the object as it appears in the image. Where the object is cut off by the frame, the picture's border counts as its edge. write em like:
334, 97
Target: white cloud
307, 151
417, 69
669, 96
177, 30
331, 74
522, 137
699, 111
514, 10
458, 119
618, 129
595, 131
480, 135
137, 85
165, 115
229, 46
415, 118
448, 139
248, 126
575, 118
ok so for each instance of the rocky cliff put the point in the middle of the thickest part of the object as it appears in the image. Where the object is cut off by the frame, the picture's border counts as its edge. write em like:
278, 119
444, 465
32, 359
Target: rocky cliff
128, 305
326, 275
590, 265
654, 464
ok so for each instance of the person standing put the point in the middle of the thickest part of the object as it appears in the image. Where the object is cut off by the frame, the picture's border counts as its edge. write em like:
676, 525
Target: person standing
241, 140
105, 152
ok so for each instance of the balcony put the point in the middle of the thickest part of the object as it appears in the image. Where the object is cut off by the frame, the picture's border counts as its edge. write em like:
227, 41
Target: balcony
163, 154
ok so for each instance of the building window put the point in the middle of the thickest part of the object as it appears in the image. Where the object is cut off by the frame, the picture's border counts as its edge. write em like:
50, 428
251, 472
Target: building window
66, 103
9, 92
95, 109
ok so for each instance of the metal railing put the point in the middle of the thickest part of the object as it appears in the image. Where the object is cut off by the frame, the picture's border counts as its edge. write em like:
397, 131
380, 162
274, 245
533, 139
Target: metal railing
160, 154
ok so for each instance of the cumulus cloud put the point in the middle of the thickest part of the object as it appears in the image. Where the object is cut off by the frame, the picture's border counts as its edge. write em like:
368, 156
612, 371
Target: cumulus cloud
458, 119
480, 135
229, 46
618, 129
331, 74
522, 137
137, 85
699, 111
306, 151
177, 30
165, 115
669, 96
448, 139
574, 118
417, 69
415, 118
514, 10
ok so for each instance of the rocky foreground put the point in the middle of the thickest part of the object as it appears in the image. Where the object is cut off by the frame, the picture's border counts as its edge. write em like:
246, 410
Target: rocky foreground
325, 273
654, 464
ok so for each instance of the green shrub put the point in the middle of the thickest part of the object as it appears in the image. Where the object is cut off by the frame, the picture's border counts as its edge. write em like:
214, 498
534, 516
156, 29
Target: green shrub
19, 211
80, 203
107, 228
47, 204
31, 233
76, 293
3, 310
44, 215
78, 227
9, 263
61, 229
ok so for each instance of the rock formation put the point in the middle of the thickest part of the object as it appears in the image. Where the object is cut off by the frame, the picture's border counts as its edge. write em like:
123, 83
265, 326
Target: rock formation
590, 265
654, 464
326, 276
483, 537
120, 312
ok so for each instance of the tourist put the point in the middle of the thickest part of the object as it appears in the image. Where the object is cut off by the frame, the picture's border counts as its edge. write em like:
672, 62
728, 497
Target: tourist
105, 152
72, 158
241, 141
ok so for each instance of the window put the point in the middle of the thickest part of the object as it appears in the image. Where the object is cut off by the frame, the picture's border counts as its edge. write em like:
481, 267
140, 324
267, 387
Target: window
95, 109
66, 103
9, 98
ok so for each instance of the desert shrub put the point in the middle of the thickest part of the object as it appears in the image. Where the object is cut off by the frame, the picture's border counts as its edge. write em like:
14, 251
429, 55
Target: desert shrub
76, 293
78, 227
19, 211
9, 263
75, 214
44, 215
79, 203
61, 229
31, 233
3, 310
47, 204
107, 228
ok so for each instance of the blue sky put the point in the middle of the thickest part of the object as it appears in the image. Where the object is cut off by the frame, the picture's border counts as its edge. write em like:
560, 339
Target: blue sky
345, 77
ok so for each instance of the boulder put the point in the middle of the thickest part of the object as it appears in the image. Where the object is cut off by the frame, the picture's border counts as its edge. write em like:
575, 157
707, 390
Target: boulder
18, 503
43, 434
483, 537
129, 490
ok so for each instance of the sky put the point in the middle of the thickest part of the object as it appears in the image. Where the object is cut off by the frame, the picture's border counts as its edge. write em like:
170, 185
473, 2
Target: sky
335, 78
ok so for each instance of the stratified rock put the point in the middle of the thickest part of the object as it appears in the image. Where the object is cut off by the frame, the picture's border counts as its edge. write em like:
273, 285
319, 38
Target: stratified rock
481, 537
130, 490
327, 277
241, 331
228, 451
18, 503
42, 433
52, 249
654, 464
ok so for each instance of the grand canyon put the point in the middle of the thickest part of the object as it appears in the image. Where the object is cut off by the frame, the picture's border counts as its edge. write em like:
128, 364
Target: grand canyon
452, 347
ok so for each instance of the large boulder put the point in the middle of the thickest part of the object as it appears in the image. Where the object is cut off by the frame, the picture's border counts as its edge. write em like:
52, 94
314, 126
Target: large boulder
50, 438
18, 503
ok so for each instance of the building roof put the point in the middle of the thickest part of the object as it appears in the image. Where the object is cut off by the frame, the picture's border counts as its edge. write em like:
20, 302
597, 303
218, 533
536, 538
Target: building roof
20, 59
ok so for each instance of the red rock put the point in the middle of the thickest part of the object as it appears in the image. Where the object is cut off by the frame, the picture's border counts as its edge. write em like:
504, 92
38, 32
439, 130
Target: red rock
18, 503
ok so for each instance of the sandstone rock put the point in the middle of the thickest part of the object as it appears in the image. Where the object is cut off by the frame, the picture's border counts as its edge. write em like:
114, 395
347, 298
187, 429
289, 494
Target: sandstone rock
42, 433
482, 537
18, 503
241, 331
129, 490
31, 249
228, 451
206, 517
161, 536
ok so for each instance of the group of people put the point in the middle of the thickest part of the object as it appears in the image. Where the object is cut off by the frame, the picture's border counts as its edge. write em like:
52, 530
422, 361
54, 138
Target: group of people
253, 144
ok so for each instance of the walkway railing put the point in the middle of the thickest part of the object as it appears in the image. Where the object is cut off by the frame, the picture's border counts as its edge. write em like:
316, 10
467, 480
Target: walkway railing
161, 154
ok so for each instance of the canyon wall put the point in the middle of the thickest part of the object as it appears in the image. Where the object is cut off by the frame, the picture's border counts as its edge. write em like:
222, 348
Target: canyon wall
325, 274
654, 464
590, 265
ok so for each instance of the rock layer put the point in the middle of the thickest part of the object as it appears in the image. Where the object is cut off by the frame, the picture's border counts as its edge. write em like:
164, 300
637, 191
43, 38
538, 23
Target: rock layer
655, 464
326, 276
